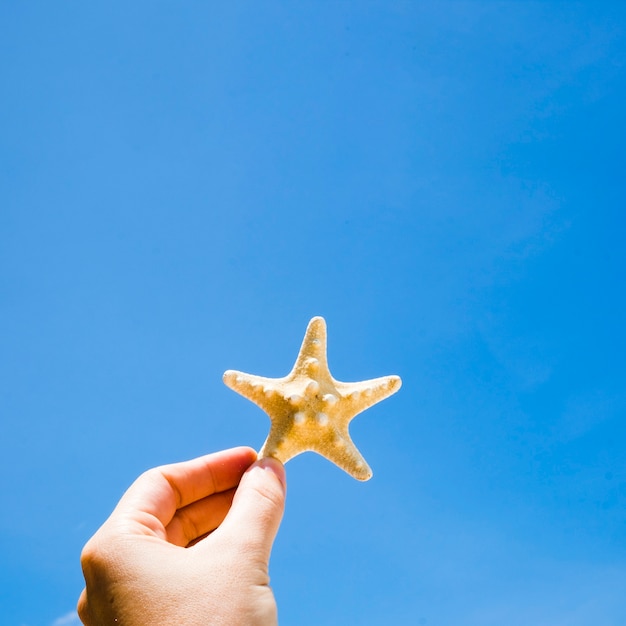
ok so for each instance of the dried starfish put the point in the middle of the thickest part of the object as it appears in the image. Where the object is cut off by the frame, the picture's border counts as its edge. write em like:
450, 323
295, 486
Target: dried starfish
309, 409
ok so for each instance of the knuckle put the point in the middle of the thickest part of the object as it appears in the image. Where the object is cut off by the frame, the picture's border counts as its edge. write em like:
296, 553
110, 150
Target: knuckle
82, 608
89, 556
93, 558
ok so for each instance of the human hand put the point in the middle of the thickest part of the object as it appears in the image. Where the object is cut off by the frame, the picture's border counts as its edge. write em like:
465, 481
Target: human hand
188, 543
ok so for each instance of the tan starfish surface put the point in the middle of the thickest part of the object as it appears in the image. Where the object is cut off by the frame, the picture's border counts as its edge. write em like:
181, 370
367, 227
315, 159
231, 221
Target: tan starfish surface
309, 409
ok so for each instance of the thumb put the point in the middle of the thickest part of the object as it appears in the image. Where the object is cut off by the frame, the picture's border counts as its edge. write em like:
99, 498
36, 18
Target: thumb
257, 507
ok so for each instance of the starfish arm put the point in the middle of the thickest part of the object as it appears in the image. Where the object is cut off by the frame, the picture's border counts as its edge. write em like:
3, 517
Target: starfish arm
312, 354
346, 455
281, 447
258, 389
356, 397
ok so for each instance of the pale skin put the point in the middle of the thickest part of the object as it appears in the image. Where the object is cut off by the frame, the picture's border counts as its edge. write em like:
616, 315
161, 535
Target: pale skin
188, 543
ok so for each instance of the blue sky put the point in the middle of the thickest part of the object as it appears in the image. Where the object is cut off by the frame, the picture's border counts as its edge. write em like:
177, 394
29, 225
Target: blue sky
184, 185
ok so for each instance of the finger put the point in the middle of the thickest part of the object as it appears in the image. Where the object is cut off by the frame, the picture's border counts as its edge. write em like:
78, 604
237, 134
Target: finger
160, 492
198, 519
257, 509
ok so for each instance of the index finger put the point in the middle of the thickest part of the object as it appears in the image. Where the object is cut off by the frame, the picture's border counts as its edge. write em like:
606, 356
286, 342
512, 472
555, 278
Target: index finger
161, 491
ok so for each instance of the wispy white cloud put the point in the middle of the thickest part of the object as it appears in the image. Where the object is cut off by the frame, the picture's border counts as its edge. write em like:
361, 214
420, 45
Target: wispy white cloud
69, 619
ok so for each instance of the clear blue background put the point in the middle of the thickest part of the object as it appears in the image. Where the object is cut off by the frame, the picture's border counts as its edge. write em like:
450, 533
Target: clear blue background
183, 185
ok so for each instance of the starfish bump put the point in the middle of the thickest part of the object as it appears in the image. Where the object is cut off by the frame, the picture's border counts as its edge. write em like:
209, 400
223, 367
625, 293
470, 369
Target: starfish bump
310, 410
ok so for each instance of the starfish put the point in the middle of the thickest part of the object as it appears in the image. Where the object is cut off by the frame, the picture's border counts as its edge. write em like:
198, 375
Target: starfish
310, 410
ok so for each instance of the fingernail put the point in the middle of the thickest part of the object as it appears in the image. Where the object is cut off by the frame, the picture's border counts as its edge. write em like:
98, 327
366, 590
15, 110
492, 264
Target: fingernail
274, 466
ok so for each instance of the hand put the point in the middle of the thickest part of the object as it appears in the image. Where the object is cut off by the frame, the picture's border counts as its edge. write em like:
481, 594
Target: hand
188, 543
